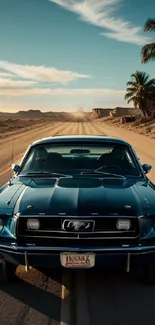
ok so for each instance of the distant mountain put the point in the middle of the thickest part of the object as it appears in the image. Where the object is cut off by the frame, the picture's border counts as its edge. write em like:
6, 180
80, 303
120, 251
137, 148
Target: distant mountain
35, 114
31, 114
38, 114
49, 113
23, 114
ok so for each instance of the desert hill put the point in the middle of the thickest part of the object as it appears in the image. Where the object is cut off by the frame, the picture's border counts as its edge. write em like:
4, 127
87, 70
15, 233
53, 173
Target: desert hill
114, 112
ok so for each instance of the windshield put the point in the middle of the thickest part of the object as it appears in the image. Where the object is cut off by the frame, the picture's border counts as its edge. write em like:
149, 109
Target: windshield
74, 159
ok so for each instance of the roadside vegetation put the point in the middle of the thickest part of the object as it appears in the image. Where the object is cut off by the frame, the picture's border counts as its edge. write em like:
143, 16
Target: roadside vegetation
148, 50
140, 90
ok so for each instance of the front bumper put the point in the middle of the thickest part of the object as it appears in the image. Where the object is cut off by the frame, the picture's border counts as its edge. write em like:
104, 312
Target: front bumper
105, 257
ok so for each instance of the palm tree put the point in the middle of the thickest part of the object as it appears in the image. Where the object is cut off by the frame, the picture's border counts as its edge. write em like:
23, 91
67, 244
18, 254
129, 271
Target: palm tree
148, 51
140, 90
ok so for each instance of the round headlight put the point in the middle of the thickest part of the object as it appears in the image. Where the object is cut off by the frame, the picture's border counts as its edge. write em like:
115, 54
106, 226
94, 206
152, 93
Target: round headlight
1, 225
33, 224
123, 224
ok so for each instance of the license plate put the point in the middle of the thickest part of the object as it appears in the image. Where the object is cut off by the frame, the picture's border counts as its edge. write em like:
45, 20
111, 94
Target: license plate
75, 260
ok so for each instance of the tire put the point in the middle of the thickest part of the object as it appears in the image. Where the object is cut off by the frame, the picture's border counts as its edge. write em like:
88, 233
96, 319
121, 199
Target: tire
148, 274
7, 272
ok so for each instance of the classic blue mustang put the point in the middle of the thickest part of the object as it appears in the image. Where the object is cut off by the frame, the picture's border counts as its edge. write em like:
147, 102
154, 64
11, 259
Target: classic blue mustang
78, 202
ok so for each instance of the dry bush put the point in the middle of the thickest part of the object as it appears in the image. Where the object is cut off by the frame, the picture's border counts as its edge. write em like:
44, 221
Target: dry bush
2, 124
127, 119
142, 120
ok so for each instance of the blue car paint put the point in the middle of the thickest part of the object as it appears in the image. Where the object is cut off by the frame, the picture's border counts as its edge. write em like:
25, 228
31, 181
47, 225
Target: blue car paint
48, 197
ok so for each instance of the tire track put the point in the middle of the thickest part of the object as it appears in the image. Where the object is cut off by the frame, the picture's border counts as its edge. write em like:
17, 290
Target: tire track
57, 129
80, 128
5, 175
75, 129
27, 132
20, 144
69, 130
98, 128
21, 141
92, 129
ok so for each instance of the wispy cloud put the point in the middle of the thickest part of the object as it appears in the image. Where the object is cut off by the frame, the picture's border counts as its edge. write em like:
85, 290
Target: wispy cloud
41, 73
7, 83
103, 13
59, 92
6, 74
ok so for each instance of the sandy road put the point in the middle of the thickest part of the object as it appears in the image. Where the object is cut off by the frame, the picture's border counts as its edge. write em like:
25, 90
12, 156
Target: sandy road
16, 145
77, 298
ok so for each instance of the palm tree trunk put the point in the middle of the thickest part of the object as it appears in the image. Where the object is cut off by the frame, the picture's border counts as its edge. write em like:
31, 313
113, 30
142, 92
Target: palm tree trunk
143, 105
146, 108
148, 113
142, 109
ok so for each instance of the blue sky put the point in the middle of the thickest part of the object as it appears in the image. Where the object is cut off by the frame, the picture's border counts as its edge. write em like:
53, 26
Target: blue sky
64, 54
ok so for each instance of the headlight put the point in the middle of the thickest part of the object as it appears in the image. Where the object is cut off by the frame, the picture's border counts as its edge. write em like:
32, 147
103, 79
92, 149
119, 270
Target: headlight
123, 224
1, 225
33, 224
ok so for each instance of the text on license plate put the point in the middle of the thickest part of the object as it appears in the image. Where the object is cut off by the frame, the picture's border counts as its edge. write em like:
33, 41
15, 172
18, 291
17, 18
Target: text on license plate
77, 260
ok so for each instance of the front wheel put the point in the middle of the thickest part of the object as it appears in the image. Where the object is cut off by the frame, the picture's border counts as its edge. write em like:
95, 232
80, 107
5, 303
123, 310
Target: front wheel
7, 272
148, 274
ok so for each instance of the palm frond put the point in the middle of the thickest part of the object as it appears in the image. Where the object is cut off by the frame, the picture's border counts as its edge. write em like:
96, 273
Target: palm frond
140, 77
128, 95
150, 83
135, 76
131, 83
131, 92
134, 100
129, 100
148, 52
132, 89
149, 25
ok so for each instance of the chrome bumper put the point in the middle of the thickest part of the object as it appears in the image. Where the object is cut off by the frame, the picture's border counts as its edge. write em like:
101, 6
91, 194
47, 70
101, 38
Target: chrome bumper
48, 256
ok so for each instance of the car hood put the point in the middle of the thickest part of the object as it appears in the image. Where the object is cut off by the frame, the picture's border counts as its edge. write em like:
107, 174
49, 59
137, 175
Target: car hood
78, 197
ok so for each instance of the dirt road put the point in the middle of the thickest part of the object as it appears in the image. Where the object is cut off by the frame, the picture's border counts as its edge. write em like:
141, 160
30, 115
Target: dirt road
76, 298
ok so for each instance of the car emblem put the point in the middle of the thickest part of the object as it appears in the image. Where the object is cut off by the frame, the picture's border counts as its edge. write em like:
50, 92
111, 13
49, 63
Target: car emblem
29, 206
127, 206
78, 225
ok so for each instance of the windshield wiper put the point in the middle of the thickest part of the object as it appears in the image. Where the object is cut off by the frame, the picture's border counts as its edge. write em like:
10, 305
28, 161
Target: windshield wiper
46, 174
98, 172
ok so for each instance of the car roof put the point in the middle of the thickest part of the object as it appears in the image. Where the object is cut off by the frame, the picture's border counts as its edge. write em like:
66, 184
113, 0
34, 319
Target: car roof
79, 138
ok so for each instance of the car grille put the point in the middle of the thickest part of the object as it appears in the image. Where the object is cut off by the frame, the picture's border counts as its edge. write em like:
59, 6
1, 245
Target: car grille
51, 232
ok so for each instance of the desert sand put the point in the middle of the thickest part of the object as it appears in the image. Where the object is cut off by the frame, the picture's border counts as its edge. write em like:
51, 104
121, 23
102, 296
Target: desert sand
13, 147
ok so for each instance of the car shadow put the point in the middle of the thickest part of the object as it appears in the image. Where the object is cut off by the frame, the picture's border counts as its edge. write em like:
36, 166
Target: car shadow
114, 296
40, 295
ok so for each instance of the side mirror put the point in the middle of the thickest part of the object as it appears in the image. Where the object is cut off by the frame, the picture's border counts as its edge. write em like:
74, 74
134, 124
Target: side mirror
146, 168
15, 168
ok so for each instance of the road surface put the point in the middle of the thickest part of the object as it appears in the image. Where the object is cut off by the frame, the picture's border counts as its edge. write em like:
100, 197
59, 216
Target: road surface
44, 297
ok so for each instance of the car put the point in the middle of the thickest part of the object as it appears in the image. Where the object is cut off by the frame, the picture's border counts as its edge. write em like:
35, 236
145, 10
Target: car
78, 202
